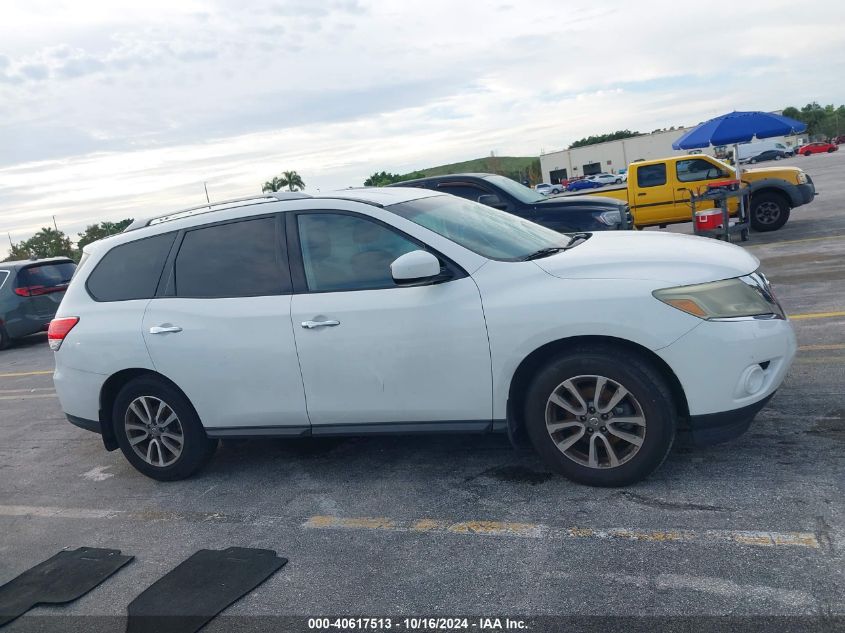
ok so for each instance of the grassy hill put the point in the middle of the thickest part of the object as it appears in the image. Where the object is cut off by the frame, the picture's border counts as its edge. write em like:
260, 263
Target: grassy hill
511, 166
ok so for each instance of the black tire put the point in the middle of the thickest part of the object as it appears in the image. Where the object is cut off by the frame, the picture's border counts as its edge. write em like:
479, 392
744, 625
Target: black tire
831, 150
649, 390
807, 153
197, 449
769, 212
5, 339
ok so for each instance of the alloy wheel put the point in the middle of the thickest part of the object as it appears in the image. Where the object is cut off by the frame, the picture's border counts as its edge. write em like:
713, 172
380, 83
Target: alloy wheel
595, 421
767, 212
154, 431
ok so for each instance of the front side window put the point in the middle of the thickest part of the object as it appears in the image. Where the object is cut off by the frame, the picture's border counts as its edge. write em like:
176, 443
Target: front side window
237, 259
484, 230
519, 191
467, 192
697, 169
346, 252
130, 270
651, 175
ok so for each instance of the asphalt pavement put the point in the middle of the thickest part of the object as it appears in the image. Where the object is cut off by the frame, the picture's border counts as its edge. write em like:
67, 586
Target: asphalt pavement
465, 525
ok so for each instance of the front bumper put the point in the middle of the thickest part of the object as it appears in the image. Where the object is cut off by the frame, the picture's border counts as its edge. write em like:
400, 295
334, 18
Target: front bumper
807, 191
715, 428
712, 362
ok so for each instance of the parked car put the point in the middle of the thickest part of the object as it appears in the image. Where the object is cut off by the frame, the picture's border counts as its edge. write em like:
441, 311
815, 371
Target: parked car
817, 148
547, 189
564, 214
30, 293
658, 190
747, 151
584, 183
606, 179
402, 310
769, 154
839, 139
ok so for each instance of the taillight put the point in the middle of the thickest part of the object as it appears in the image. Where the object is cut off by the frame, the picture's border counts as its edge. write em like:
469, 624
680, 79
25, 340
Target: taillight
23, 292
58, 330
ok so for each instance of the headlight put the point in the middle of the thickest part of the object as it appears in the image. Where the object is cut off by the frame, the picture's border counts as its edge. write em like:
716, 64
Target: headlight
609, 217
748, 296
802, 178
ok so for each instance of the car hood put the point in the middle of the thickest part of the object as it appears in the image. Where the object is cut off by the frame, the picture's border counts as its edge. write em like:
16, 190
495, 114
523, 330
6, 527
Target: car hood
650, 255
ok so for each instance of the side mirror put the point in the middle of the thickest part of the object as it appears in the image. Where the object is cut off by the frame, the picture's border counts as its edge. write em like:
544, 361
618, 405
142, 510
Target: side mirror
415, 267
492, 200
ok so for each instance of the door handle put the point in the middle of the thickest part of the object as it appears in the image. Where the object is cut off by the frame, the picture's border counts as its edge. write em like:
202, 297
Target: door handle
641, 194
161, 329
310, 325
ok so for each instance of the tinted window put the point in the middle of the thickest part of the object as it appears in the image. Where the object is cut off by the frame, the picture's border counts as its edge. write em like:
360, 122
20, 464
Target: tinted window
3, 275
345, 252
463, 191
651, 175
230, 260
697, 169
131, 270
46, 276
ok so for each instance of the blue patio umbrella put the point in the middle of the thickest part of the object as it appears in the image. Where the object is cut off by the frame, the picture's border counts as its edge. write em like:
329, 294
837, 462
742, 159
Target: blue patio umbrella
738, 127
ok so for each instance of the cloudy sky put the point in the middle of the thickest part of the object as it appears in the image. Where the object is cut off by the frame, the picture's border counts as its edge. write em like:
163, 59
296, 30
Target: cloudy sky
122, 109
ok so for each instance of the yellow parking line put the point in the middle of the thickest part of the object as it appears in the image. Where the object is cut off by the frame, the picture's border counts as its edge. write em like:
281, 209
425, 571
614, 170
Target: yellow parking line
813, 348
538, 530
822, 360
29, 396
801, 241
817, 315
27, 373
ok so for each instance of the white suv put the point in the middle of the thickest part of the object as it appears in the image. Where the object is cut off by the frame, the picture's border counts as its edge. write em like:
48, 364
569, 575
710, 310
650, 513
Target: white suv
404, 310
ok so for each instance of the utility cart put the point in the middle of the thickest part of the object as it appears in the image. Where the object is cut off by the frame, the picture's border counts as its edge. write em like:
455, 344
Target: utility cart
716, 221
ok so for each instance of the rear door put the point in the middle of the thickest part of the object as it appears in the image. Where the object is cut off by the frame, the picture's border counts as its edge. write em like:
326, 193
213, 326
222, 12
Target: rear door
222, 330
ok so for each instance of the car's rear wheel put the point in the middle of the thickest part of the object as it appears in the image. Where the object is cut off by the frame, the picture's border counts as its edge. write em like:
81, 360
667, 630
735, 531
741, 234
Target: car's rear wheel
807, 153
158, 430
769, 212
601, 416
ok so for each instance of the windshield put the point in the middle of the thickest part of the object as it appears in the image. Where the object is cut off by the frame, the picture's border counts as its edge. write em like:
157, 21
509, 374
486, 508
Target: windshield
518, 191
489, 232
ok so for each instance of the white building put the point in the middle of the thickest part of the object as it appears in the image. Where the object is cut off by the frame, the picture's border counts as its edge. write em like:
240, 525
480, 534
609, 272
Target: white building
615, 156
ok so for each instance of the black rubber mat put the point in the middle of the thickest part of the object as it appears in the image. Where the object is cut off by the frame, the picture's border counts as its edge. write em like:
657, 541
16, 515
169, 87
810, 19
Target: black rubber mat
65, 577
200, 588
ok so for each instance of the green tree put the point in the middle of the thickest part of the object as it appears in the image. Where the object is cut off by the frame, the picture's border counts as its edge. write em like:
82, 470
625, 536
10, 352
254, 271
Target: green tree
292, 181
822, 121
46, 243
275, 184
384, 178
602, 138
94, 232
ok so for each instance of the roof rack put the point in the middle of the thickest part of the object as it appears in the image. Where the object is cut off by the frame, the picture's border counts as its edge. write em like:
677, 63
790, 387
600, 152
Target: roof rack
216, 206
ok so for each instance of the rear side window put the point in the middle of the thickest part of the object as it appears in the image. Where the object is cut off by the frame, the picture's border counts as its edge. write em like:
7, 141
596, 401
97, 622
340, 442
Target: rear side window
131, 270
238, 259
3, 275
651, 175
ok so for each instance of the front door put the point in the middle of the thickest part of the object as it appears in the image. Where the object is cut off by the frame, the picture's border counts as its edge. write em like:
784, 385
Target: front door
376, 355
223, 333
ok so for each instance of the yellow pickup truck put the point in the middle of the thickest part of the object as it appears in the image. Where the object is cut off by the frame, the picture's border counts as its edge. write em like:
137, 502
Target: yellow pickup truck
658, 191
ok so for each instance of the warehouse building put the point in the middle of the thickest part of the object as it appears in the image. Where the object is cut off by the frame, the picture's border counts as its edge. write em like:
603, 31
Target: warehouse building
615, 156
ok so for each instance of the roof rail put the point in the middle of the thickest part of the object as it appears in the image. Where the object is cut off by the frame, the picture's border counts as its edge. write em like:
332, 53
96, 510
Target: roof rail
216, 206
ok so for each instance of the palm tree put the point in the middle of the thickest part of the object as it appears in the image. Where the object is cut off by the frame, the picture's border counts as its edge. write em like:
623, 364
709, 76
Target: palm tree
292, 181
273, 185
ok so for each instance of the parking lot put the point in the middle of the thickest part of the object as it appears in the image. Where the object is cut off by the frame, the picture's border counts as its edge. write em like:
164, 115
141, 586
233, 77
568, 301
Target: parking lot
463, 524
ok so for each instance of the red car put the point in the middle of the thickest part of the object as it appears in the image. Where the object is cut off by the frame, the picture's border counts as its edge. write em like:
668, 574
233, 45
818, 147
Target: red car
817, 148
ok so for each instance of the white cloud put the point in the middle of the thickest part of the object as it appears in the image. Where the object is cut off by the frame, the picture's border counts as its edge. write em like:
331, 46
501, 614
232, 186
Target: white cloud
119, 109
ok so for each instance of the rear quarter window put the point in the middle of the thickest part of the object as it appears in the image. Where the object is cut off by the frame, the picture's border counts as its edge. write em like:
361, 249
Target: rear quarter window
131, 270
4, 274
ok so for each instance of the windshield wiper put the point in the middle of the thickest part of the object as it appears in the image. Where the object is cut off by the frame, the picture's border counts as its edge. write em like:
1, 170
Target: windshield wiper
551, 250
543, 252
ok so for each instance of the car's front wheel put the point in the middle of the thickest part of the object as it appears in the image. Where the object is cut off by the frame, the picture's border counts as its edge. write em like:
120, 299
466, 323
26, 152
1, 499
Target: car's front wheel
601, 416
769, 212
158, 430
